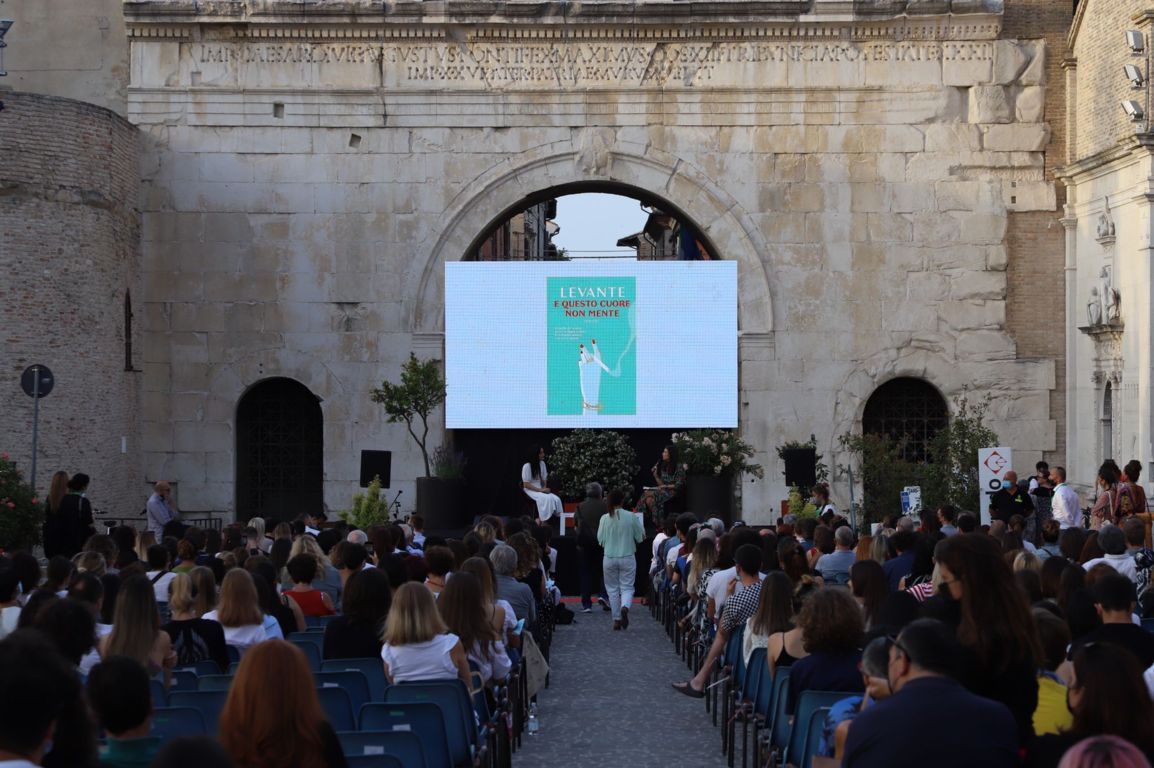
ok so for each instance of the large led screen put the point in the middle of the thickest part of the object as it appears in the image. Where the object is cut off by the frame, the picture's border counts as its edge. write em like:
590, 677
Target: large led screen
612, 343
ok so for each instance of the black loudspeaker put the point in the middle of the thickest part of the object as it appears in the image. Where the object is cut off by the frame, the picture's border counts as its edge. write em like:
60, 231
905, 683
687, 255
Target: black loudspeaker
800, 467
374, 463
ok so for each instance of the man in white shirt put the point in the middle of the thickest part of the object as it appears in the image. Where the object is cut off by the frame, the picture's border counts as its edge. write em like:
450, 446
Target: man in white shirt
158, 572
1066, 506
1112, 540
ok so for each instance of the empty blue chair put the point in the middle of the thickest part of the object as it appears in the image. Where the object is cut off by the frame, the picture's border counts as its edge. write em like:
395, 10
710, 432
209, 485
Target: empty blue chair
372, 668
402, 745
233, 654
318, 622
424, 720
779, 718
209, 703
183, 680
159, 695
352, 681
807, 703
311, 648
452, 697
172, 722
375, 761
214, 682
338, 708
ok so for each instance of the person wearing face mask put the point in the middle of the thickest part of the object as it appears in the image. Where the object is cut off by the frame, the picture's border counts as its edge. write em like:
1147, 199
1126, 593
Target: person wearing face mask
920, 724
1010, 500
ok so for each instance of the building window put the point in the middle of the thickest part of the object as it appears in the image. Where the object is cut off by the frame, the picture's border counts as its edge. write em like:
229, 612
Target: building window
1108, 422
128, 332
906, 408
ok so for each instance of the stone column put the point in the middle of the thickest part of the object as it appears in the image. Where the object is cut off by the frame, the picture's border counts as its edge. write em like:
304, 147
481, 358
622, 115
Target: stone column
1070, 222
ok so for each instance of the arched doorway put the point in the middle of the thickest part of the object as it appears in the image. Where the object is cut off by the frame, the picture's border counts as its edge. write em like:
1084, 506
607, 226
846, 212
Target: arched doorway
279, 451
906, 408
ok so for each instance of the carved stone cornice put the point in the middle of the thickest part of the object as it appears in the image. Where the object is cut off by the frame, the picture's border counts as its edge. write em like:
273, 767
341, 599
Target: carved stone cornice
855, 20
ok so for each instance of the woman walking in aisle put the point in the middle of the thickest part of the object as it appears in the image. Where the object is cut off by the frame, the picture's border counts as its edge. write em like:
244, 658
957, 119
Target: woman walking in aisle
619, 533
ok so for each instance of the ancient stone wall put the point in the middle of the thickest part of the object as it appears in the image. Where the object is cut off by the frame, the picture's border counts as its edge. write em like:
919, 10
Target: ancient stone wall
307, 178
69, 251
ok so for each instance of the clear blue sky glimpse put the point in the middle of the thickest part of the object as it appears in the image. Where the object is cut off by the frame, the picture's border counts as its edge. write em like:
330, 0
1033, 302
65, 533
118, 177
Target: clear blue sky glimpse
592, 223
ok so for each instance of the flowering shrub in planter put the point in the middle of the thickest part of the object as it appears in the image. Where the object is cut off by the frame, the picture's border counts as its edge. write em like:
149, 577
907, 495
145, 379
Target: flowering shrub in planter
21, 516
715, 452
591, 455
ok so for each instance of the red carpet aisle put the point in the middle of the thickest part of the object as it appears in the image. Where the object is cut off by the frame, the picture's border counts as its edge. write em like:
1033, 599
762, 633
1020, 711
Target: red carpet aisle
609, 702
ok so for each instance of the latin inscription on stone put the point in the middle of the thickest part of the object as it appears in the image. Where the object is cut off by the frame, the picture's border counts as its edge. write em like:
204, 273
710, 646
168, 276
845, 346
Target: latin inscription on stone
578, 64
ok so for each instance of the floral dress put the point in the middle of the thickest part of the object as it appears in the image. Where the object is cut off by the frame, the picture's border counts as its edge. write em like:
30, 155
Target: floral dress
662, 495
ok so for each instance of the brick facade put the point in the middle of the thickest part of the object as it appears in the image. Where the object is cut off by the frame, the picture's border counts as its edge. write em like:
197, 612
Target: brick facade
69, 249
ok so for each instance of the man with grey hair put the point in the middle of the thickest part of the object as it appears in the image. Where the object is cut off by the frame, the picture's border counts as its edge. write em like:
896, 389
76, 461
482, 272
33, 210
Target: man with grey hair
358, 537
518, 595
588, 518
1112, 540
834, 567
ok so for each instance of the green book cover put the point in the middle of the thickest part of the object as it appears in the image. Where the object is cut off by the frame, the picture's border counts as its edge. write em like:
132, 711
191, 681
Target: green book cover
592, 354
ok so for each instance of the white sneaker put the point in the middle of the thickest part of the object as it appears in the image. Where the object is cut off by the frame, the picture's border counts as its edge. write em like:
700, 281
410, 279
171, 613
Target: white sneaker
586, 610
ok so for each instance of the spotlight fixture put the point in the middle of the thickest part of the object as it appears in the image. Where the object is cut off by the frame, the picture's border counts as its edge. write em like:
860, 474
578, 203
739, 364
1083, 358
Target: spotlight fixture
1134, 75
1136, 41
1133, 110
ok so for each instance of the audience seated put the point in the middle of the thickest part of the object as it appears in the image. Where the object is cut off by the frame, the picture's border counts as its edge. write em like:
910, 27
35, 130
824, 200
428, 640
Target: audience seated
462, 607
273, 717
238, 611
518, 595
1114, 601
194, 638
922, 722
327, 580
9, 599
358, 631
136, 630
500, 612
304, 569
120, 698
39, 696
440, 562
832, 629
417, 644
158, 573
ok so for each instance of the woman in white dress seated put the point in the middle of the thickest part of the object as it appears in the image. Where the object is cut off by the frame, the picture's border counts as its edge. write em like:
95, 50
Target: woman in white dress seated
534, 476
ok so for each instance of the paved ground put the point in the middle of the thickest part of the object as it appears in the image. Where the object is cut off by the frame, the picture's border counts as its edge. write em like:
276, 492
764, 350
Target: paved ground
609, 701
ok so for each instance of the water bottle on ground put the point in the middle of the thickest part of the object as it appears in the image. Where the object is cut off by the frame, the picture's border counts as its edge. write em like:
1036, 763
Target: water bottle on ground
534, 723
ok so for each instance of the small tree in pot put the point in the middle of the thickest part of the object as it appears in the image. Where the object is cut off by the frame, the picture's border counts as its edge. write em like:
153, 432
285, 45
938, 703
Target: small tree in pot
418, 394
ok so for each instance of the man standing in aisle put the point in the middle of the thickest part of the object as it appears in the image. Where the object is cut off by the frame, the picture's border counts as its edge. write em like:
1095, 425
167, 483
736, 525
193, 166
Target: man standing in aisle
1066, 506
160, 509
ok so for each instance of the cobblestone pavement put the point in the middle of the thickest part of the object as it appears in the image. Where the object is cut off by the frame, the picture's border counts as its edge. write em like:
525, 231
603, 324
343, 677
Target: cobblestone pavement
609, 701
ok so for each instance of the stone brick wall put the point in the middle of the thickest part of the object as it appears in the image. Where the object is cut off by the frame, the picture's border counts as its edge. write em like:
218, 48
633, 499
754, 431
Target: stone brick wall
1035, 276
1101, 46
69, 249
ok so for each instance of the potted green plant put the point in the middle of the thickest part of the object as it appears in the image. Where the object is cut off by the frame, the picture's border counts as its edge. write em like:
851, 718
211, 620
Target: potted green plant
21, 514
412, 400
591, 455
713, 459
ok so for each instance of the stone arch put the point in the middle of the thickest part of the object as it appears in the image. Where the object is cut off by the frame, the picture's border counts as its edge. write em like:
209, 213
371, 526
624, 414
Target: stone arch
595, 162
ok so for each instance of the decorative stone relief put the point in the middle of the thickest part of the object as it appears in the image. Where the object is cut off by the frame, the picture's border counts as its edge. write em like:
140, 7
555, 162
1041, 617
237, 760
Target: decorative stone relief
1105, 234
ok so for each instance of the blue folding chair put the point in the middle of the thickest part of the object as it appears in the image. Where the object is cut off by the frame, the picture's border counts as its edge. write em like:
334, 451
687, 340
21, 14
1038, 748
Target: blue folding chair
318, 622
352, 681
202, 667
375, 761
452, 697
209, 703
1148, 625
183, 680
338, 708
214, 683
779, 718
173, 722
424, 720
233, 654
401, 745
159, 694
233, 667
372, 668
807, 703
813, 734
311, 648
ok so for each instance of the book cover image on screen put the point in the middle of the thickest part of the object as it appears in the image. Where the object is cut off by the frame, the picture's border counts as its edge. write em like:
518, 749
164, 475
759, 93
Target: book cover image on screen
592, 359
596, 343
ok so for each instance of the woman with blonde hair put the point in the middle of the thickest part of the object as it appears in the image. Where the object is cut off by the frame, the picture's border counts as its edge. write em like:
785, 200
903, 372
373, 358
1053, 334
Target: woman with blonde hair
193, 638
238, 611
417, 644
262, 542
273, 717
145, 540
136, 630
